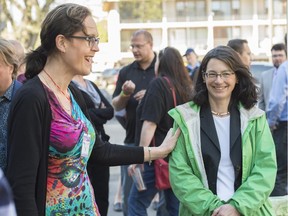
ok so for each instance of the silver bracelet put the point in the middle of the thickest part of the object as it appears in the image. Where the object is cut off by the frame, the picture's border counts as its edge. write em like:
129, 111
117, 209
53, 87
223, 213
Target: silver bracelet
149, 151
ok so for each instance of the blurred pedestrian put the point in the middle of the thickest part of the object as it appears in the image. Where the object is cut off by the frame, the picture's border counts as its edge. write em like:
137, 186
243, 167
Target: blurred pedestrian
130, 88
242, 48
9, 63
171, 87
100, 111
20, 54
192, 62
277, 116
279, 55
50, 135
224, 161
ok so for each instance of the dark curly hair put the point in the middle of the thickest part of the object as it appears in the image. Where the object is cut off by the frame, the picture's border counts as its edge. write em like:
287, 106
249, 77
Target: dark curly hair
245, 90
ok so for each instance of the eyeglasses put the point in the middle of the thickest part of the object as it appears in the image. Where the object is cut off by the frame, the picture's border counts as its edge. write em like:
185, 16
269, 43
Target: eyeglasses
224, 76
91, 40
278, 55
137, 46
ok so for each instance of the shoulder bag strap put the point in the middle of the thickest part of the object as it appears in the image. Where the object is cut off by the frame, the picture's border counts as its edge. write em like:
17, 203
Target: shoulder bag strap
172, 89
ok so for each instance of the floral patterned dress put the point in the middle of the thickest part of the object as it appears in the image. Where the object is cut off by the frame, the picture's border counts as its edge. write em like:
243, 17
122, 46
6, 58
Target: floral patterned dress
69, 191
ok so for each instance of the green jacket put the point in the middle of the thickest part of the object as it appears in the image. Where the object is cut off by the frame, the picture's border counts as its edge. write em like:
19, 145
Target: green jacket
187, 174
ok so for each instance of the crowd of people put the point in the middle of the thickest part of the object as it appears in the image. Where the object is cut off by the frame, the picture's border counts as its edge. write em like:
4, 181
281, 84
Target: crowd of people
224, 136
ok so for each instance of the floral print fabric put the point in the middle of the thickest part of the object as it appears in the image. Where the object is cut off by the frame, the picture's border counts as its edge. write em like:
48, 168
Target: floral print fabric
69, 191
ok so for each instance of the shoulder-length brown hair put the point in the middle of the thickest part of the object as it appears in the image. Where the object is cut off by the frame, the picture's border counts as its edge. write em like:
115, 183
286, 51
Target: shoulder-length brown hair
172, 66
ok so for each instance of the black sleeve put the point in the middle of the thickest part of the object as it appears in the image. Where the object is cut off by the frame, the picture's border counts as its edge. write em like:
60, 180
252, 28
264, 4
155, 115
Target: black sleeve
154, 107
101, 113
115, 155
110, 154
26, 149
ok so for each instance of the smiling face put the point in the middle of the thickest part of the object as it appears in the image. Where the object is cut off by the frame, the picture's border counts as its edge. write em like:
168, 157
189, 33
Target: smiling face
219, 88
79, 54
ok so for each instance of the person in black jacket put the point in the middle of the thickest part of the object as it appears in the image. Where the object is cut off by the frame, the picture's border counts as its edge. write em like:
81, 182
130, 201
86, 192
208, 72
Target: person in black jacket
50, 135
100, 110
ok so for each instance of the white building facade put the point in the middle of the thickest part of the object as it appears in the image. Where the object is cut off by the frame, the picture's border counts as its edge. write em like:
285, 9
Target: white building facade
200, 24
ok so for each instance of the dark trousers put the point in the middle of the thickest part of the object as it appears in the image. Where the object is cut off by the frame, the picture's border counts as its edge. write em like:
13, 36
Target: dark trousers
280, 140
99, 178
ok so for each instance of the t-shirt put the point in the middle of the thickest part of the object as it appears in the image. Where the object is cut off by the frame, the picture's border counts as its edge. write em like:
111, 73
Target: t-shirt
154, 107
141, 78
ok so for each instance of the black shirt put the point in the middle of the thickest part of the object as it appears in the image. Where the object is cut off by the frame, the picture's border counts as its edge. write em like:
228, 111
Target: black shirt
157, 101
141, 78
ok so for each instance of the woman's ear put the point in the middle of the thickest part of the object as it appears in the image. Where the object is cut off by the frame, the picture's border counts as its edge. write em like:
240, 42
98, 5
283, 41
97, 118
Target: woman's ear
60, 42
203, 77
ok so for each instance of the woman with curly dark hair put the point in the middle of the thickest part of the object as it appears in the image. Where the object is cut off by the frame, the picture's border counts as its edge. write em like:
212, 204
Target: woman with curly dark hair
224, 161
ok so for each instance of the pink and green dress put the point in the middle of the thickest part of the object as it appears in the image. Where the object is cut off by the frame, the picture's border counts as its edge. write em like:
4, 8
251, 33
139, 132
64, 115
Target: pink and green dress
69, 191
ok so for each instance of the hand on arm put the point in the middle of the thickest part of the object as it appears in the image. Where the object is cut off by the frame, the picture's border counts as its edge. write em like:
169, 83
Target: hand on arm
165, 148
102, 105
139, 95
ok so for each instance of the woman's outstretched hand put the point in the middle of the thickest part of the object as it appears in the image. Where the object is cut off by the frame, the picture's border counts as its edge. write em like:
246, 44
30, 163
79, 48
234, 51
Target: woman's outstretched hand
162, 151
169, 142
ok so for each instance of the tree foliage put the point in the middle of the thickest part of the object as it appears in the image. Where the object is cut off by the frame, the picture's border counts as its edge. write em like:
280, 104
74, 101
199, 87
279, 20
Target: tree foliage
24, 17
141, 10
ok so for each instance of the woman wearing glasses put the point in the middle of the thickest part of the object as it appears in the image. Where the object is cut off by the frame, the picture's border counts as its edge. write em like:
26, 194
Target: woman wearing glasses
224, 161
50, 134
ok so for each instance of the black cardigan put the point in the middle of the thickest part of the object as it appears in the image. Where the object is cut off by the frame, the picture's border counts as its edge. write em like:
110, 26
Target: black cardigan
28, 141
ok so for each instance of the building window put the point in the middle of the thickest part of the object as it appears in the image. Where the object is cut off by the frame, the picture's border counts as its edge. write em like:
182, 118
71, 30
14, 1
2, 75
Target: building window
226, 9
279, 7
182, 38
185, 10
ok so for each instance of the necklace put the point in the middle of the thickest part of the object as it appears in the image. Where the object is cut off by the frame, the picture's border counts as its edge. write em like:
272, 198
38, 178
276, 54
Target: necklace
57, 86
220, 114
68, 110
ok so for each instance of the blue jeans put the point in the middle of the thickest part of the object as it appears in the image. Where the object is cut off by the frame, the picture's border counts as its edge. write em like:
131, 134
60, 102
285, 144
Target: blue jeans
139, 201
